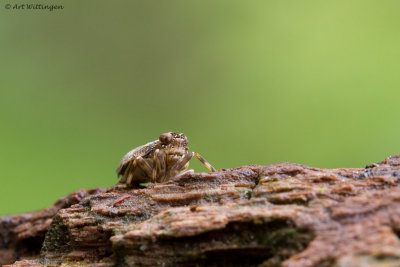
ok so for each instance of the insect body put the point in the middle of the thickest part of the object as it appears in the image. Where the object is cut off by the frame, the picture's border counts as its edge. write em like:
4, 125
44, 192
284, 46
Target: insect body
158, 161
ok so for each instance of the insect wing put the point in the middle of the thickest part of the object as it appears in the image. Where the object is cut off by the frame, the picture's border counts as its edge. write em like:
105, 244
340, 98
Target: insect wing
134, 153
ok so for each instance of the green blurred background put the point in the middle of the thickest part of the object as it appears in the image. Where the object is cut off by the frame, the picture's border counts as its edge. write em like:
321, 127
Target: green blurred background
249, 82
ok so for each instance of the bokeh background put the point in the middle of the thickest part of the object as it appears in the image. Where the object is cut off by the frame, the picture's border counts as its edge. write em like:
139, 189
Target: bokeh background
249, 82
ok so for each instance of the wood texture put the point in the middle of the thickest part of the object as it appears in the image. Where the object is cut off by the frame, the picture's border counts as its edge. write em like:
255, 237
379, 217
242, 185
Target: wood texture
282, 214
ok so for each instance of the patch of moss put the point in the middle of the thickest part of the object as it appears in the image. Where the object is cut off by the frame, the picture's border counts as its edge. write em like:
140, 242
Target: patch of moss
57, 238
119, 255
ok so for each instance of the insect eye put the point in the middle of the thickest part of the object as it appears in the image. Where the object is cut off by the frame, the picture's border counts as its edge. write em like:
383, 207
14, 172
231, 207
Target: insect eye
166, 138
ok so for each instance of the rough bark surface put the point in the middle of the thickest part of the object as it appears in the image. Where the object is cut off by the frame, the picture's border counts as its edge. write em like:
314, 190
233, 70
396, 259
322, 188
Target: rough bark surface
282, 214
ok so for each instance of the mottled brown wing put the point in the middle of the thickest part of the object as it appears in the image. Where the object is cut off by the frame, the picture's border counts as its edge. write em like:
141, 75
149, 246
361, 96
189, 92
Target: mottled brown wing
134, 153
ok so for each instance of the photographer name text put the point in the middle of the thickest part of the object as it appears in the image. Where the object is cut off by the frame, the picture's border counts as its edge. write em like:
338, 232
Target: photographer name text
34, 7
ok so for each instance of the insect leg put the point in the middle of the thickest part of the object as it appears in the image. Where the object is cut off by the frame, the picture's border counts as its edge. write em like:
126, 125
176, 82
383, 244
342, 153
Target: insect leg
141, 163
183, 173
208, 165
128, 175
159, 167
123, 178
180, 165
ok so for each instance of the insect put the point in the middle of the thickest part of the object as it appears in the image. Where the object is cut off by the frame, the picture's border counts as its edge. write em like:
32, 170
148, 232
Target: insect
158, 161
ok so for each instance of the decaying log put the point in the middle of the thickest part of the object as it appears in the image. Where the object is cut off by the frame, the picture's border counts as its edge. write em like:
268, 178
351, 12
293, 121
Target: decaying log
22, 236
281, 214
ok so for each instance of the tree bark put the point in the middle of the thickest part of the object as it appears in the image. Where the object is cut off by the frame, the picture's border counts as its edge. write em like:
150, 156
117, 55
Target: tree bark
283, 214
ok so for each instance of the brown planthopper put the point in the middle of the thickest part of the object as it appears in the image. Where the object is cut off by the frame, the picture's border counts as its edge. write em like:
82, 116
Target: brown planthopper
158, 161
